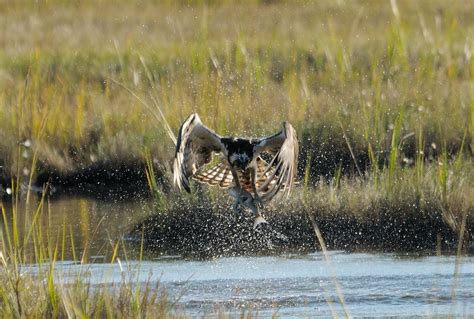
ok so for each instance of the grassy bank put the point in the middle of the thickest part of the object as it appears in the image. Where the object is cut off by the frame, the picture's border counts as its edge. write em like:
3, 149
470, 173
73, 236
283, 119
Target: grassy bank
387, 76
404, 212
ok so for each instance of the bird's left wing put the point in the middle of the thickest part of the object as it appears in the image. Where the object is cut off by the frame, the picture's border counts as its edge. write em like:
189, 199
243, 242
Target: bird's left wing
194, 148
282, 168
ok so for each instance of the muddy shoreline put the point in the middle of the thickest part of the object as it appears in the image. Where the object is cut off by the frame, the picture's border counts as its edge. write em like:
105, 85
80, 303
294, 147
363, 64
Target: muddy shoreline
205, 233
102, 181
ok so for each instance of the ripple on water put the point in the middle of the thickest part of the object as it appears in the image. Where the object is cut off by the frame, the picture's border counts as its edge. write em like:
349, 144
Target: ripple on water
302, 285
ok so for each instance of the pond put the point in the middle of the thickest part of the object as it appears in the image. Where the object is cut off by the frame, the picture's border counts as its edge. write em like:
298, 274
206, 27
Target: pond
289, 285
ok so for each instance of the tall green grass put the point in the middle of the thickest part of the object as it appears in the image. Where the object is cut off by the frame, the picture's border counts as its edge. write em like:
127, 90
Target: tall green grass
235, 70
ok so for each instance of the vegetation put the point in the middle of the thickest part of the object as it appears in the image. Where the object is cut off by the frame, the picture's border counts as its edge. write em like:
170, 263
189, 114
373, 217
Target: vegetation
380, 94
388, 76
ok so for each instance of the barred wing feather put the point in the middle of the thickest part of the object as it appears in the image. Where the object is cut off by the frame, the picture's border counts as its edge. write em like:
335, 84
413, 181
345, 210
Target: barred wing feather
194, 148
221, 175
218, 175
282, 168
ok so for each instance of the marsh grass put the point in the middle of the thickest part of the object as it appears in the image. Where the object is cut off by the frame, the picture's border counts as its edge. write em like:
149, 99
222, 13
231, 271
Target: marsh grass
32, 259
377, 82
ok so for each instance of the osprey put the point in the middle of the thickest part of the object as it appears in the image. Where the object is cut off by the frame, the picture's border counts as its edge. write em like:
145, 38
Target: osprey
241, 167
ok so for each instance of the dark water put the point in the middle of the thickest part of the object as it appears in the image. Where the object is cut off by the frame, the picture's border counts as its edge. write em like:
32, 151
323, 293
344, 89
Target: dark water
90, 227
373, 285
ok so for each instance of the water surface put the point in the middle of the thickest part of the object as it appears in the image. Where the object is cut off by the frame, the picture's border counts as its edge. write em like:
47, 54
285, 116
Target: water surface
373, 285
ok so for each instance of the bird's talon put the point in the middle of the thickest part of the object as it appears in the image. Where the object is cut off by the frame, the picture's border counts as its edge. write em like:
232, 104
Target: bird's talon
258, 221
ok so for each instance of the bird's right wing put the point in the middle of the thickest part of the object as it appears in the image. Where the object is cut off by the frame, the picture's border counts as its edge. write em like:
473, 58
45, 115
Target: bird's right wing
221, 175
194, 148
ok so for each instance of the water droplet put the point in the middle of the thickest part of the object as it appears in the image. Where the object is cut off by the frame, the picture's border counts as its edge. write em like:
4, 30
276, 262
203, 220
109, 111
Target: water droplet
27, 143
26, 171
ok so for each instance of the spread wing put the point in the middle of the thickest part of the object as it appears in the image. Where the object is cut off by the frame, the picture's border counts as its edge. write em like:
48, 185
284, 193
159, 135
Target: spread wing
221, 175
194, 148
281, 172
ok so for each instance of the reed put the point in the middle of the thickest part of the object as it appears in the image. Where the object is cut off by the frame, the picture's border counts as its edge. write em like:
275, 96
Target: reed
32, 277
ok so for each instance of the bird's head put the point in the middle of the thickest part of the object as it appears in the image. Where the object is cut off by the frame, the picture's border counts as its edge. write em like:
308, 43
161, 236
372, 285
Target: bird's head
239, 160
240, 153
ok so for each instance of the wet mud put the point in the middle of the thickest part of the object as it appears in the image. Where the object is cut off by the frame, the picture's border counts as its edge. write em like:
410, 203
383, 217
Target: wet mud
204, 233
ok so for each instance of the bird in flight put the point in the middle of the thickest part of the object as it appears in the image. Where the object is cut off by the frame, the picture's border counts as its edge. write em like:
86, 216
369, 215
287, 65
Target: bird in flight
241, 166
